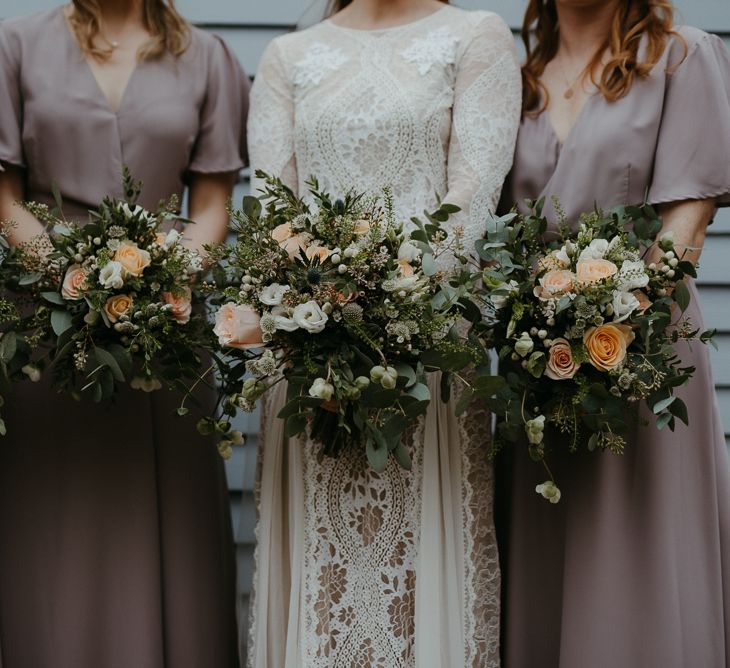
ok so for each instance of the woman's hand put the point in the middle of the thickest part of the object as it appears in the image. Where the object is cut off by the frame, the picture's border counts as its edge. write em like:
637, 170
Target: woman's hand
208, 198
12, 191
687, 221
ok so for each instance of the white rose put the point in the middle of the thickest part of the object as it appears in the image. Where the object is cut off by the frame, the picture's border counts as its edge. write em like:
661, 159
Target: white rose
282, 321
112, 275
171, 239
196, 263
596, 250
632, 275
129, 212
321, 389
272, 294
624, 304
562, 257
310, 317
500, 301
409, 252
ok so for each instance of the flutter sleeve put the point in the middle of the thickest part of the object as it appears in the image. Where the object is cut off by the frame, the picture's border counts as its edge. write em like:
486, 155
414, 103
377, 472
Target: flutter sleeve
221, 142
693, 148
11, 101
486, 117
271, 124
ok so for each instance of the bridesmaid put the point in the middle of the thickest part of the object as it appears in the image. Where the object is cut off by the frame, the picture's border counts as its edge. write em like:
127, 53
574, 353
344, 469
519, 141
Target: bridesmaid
115, 539
632, 567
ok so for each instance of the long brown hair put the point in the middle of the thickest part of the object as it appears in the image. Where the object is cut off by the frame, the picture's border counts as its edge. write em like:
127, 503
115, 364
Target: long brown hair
337, 5
632, 20
169, 32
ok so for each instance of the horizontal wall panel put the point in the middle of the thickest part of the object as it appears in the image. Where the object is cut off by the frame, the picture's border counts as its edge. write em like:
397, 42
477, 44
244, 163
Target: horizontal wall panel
715, 261
723, 402
715, 303
721, 360
248, 43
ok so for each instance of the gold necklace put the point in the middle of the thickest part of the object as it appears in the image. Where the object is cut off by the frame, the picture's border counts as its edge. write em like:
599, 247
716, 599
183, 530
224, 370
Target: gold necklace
570, 86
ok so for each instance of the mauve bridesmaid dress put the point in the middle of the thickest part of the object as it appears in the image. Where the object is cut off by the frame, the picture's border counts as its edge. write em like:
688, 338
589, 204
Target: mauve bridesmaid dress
116, 547
632, 568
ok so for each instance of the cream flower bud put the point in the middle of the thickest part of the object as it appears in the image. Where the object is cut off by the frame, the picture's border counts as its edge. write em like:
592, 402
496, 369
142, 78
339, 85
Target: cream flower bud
525, 345
549, 490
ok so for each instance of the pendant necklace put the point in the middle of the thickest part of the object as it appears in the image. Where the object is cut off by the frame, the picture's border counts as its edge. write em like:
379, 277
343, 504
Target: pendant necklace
570, 86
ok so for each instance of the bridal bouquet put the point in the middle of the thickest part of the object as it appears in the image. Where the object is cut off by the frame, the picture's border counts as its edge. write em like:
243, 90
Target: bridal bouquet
348, 308
587, 327
101, 304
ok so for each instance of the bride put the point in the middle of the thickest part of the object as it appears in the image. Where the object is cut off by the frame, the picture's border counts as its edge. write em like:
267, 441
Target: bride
398, 569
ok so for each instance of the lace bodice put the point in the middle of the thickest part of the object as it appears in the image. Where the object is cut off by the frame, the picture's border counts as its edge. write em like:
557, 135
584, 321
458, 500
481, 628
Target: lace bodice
430, 108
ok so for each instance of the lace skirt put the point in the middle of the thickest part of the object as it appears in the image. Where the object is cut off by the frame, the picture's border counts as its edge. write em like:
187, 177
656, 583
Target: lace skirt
391, 570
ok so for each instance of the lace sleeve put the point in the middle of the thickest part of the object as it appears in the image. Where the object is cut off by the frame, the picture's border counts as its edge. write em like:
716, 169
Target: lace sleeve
486, 117
271, 121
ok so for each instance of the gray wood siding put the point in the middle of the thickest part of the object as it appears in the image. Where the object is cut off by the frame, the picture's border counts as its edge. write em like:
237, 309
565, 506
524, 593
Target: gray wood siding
249, 25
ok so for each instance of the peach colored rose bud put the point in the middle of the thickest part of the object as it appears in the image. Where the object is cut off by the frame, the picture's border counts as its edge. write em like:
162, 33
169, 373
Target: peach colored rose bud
295, 244
644, 301
554, 284
319, 252
607, 345
74, 282
238, 326
134, 260
181, 305
117, 306
282, 232
593, 271
560, 364
362, 227
405, 268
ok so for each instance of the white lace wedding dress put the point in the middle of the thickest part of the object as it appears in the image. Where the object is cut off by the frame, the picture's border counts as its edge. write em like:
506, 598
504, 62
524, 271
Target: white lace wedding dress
397, 570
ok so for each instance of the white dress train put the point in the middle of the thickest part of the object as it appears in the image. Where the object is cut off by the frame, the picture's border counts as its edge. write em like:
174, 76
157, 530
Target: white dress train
354, 568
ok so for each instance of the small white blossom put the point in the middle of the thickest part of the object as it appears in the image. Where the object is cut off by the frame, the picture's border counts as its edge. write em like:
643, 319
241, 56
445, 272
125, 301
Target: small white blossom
112, 275
321, 389
272, 295
549, 490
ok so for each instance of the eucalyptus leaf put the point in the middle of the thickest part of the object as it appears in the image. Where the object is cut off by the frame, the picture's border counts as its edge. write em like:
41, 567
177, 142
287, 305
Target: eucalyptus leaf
109, 361
53, 298
661, 406
60, 321
30, 279
682, 296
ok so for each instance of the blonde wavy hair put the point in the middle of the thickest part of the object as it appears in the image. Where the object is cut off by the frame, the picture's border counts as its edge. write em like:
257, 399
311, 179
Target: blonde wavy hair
169, 32
632, 20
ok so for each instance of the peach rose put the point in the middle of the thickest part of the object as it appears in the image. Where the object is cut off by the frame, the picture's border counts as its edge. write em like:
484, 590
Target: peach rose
560, 364
160, 239
134, 260
319, 252
238, 326
282, 232
181, 305
405, 268
293, 245
74, 282
554, 284
117, 306
644, 301
592, 271
607, 345
362, 227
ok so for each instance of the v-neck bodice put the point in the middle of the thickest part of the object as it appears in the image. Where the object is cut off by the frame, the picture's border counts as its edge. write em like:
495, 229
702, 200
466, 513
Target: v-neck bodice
177, 115
662, 142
